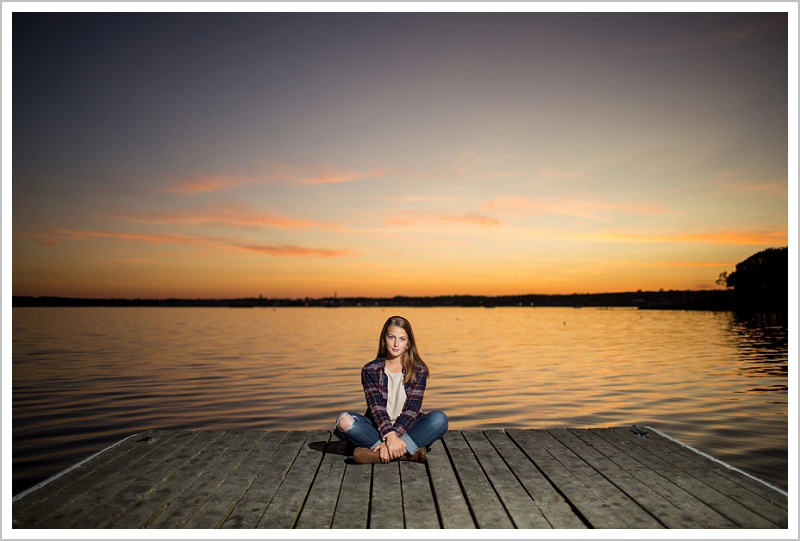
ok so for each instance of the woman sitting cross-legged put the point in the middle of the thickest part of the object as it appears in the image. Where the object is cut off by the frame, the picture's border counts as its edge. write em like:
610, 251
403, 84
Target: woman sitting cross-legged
393, 427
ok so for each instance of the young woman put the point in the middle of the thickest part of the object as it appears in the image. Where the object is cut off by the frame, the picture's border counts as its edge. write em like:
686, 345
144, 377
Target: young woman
393, 427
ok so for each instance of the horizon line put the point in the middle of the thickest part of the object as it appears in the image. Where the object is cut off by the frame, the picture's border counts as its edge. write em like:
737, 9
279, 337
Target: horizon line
382, 297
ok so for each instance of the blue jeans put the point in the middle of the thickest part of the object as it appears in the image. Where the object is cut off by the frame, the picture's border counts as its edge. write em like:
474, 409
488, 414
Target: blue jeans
425, 431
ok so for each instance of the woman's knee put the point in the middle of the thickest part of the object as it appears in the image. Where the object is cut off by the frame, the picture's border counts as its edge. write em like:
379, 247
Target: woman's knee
439, 419
344, 421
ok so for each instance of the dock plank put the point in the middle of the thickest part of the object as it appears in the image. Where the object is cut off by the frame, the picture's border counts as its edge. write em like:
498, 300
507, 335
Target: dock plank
621, 503
419, 504
518, 503
39, 505
127, 482
61, 488
740, 487
686, 511
220, 504
605, 462
545, 496
287, 503
696, 481
486, 506
262, 490
501, 478
181, 494
352, 508
592, 507
386, 508
148, 478
716, 491
700, 510
454, 511
323, 497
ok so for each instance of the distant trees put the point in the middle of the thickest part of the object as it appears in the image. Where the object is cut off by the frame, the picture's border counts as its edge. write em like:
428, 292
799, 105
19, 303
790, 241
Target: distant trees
761, 282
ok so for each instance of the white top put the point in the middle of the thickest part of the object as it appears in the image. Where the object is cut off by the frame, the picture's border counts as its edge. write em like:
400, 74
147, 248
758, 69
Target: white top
396, 398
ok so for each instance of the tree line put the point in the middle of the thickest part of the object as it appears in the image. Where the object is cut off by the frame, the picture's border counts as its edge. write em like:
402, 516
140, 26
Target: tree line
760, 282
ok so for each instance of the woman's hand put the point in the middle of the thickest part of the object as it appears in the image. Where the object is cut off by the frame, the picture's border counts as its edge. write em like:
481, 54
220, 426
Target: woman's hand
394, 445
383, 451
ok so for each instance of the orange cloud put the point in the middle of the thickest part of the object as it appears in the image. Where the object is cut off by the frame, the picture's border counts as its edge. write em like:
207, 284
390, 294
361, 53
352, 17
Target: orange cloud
76, 234
219, 243
589, 210
332, 178
276, 172
294, 251
762, 238
227, 215
421, 198
741, 181
210, 183
558, 174
680, 264
477, 219
415, 216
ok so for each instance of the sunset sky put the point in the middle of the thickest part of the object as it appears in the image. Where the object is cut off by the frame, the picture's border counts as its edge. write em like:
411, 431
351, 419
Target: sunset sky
305, 155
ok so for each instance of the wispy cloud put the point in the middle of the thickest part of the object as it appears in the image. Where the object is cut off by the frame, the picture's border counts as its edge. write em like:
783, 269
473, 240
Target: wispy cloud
472, 218
226, 215
680, 264
197, 184
561, 175
421, 199
51, 238
588, 210
757, 238
273, 172
742, 181
293, 251
329, 177
412, 217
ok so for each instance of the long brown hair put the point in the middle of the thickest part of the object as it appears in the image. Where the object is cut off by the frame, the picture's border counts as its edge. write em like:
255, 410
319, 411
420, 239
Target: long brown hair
411, 357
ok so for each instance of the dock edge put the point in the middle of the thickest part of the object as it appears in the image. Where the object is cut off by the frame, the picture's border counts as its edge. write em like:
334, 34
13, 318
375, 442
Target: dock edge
66, 471
718, 461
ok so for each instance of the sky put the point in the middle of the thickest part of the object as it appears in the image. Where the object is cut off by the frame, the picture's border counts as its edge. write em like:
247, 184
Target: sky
229, 155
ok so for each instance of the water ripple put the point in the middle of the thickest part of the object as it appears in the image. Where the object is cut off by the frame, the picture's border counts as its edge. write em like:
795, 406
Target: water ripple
85, 378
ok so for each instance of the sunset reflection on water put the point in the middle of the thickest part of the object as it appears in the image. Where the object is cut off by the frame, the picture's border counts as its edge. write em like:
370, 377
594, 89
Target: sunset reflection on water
86, 377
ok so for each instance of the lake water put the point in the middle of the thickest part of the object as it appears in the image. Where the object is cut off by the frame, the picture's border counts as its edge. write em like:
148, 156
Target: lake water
84, 378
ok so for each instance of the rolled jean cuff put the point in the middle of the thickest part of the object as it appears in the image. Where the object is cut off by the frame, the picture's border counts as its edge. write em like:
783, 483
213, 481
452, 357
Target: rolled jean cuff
411, 446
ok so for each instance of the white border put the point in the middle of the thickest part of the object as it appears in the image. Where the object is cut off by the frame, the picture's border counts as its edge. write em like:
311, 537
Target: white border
425, 7
10, 7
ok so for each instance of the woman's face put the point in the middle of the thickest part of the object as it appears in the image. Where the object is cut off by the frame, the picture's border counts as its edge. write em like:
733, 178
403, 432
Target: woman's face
396, 342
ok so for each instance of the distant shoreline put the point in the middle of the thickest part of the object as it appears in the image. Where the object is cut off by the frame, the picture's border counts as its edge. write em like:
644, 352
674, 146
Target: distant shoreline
718, 300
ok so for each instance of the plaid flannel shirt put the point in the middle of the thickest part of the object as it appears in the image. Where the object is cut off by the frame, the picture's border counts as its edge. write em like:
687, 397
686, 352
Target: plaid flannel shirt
376, 389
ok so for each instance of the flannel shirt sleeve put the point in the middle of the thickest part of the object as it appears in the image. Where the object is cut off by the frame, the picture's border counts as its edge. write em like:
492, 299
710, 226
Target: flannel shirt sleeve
376, 399
412, 409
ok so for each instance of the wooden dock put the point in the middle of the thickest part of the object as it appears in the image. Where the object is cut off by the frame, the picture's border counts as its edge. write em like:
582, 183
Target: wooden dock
555, 478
